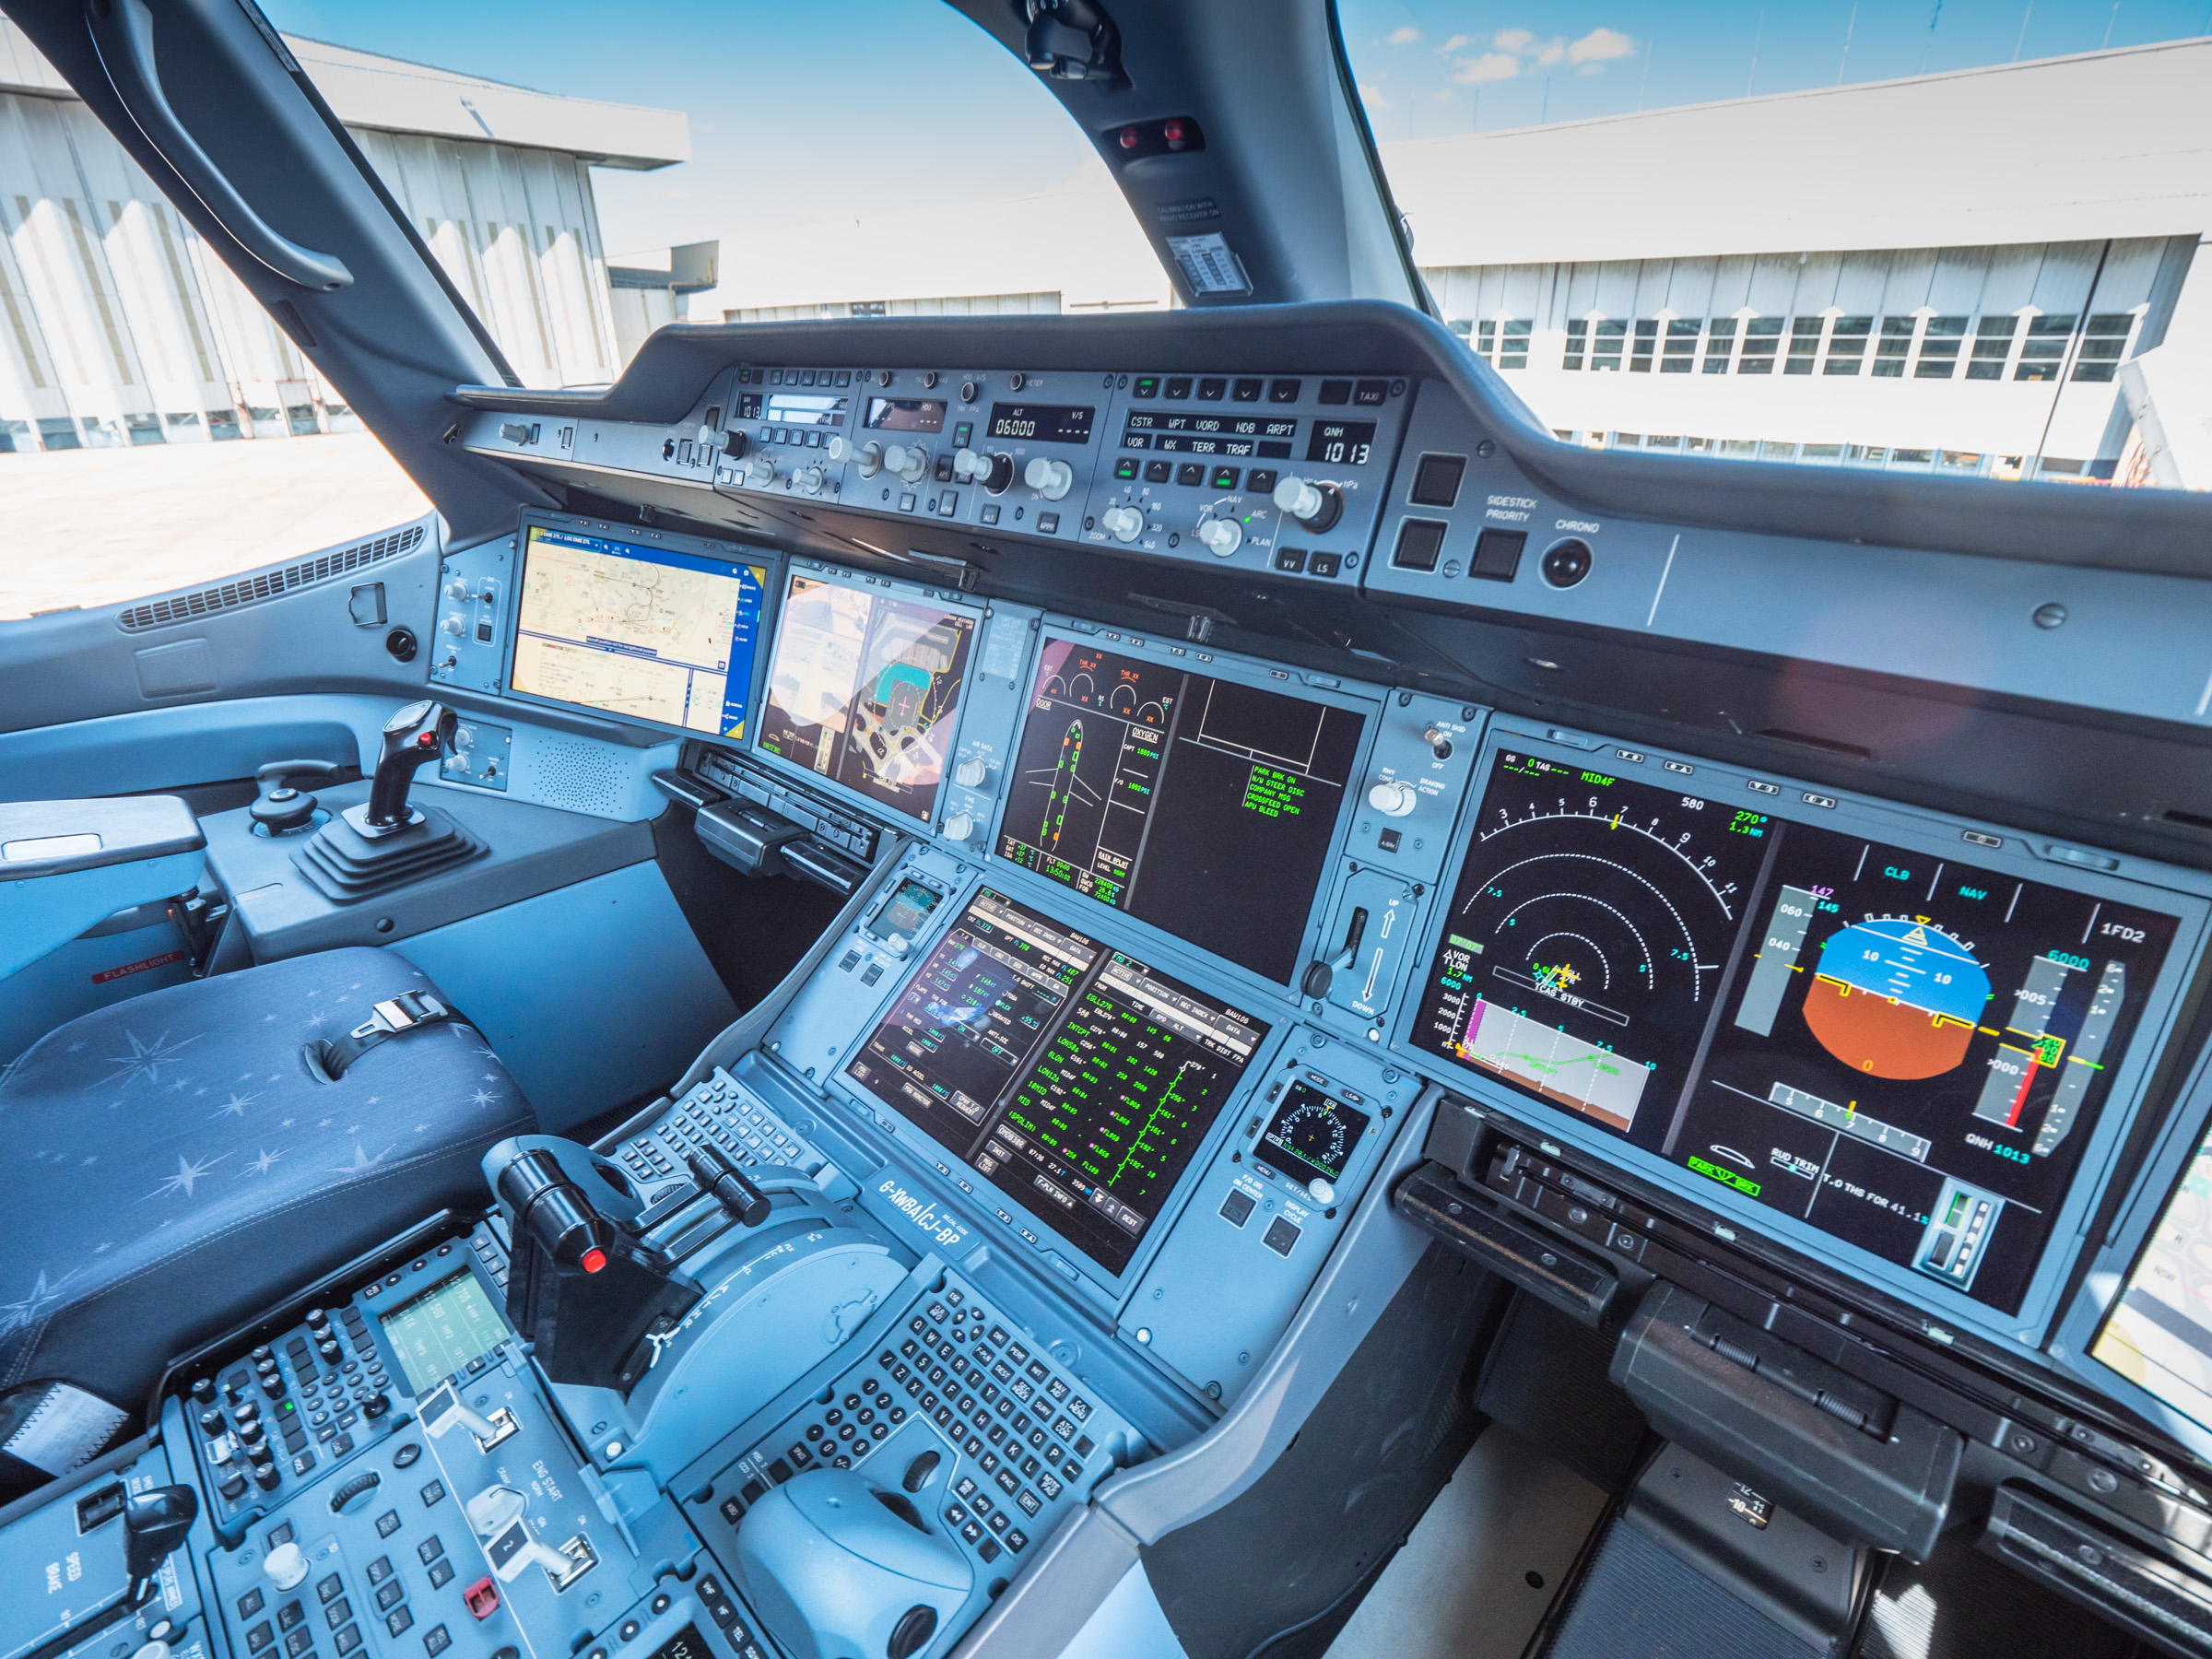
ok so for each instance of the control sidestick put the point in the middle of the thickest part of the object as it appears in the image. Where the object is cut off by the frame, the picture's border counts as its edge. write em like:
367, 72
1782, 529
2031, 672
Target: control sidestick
416, 736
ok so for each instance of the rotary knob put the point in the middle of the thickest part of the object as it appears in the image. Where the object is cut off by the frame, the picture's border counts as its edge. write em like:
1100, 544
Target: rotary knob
971, 773
1124, 524
1316, 506
454, 626
1221, 536
1050, 479
1392, 799
760, 469
869, 459
967, 465
910, 461
457, 588
286, 1565
809, 478
958, 827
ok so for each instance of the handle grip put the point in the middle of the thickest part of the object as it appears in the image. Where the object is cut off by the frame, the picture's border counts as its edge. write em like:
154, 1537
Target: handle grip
418, 734
122, 32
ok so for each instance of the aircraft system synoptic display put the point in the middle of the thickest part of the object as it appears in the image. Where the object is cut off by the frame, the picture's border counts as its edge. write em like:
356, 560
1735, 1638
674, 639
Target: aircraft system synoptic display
1907, 1051
1157, 792
865, 689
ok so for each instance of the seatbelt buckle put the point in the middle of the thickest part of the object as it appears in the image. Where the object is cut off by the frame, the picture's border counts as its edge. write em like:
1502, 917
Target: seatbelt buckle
401, 1013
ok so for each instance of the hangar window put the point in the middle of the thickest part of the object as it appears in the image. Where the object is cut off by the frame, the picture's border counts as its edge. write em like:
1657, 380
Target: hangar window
1812, 270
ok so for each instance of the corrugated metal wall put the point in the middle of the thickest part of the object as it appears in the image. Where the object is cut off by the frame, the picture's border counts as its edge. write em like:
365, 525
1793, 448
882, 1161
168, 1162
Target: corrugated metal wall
118, 325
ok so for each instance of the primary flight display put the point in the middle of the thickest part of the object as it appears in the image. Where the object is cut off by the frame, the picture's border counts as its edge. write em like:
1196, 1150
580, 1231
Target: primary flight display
1907, 1051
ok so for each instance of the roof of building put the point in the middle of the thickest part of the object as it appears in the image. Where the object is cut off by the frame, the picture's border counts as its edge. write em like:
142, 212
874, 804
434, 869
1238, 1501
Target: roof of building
1081, 241
2104, 144
391, 95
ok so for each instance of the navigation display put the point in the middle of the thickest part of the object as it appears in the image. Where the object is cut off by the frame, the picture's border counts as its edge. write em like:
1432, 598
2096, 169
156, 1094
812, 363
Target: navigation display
1080, 1080
2158, 1334
648, 633
865, 689
1907, 1051
1155, 791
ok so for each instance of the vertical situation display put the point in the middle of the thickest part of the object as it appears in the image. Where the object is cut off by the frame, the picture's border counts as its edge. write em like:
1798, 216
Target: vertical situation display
1079, 1081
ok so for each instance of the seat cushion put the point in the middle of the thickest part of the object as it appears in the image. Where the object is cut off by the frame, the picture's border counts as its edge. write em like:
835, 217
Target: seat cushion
173, 1167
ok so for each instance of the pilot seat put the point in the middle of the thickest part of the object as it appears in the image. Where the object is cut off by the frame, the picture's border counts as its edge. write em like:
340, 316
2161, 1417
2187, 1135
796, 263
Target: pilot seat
187, 1158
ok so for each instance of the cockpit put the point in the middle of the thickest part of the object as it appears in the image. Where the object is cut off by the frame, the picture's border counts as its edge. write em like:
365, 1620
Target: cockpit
1200, 971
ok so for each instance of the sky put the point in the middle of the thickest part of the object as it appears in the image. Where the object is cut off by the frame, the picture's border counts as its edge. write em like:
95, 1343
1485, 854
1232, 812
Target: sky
800, 114
1430, 67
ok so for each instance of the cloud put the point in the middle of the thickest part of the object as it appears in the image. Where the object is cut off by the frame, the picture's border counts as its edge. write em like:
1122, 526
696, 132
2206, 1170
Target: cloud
1554, 49
1406, 35
1489, 67
1372, 97
1458, 42
1513, 39
1601, 45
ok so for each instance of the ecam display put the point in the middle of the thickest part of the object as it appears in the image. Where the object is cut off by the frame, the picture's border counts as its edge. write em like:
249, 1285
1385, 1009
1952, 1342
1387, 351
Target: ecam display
1155, 791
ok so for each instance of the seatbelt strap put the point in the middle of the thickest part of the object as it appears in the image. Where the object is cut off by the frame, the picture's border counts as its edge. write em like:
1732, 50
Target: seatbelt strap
394, 1016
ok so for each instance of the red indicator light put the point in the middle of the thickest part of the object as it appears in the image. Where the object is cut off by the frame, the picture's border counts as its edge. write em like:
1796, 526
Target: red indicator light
1129, 137
482, 1598
1172, 131
594, 1259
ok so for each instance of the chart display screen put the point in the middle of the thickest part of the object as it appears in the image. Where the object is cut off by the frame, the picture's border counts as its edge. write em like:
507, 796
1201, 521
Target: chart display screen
2158, 1334
648, 633
442, 1330
1908, 1051
1078, 1080
1156, 791
863, 688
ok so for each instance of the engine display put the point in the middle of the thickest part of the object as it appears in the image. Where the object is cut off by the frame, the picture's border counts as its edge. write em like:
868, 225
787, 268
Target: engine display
1148, 789
1907, 1051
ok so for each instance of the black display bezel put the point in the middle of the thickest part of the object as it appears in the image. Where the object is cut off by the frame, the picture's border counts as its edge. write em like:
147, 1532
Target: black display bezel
2178, 893
768, 565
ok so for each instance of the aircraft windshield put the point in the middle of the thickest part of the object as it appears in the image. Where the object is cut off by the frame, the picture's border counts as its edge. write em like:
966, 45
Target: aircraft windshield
1914, 239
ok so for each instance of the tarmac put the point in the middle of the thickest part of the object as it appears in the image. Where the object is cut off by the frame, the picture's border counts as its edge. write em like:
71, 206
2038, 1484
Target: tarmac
90, 527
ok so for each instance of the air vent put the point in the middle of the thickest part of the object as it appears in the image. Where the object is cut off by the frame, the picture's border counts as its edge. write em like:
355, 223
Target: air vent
269, 585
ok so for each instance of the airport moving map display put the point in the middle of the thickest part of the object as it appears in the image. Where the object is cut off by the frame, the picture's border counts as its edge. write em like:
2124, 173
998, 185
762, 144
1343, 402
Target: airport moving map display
649, 633
864, 688
1908, 1051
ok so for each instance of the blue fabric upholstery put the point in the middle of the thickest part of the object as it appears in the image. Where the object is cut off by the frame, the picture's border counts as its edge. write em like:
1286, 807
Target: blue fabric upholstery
173, 1167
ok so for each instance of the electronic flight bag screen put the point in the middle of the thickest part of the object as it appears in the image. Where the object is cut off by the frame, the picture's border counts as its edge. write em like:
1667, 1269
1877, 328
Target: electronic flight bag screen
865, 687
1077, 1080
1905, 1051
1161, 792
647, 633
